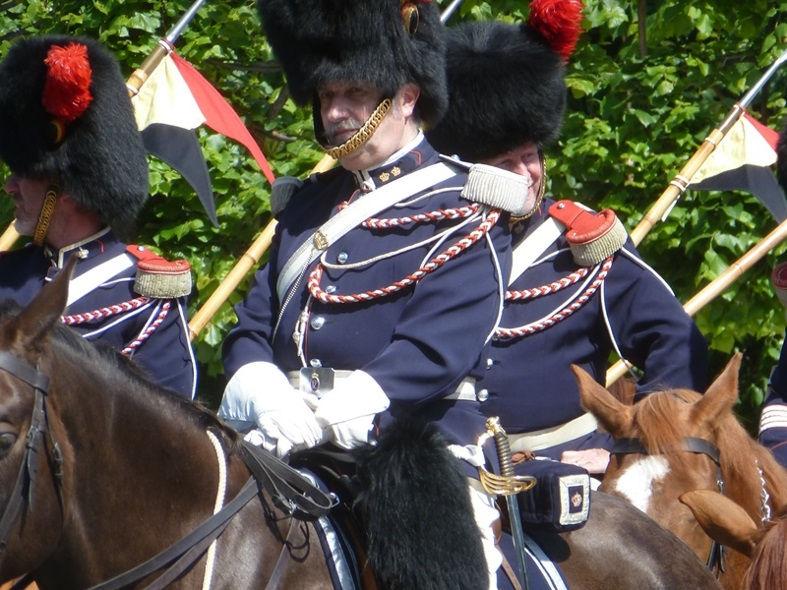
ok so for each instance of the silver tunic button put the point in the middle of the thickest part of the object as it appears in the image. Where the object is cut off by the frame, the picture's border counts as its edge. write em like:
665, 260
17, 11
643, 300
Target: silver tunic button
482, 395
316, 363
342, 257
317, 322
489, 363
330, 289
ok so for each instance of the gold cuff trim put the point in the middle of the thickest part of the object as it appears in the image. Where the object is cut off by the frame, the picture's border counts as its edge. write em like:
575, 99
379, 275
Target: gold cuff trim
363, 134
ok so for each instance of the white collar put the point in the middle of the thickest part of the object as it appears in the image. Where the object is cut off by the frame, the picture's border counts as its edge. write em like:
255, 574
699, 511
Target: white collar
66, 249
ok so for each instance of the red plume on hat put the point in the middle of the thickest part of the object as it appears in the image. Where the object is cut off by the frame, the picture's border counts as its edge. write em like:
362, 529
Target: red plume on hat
68, 77
559, 22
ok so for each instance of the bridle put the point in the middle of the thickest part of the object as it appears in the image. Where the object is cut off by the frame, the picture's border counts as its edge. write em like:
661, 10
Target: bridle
37, 436
290, 491
689, 444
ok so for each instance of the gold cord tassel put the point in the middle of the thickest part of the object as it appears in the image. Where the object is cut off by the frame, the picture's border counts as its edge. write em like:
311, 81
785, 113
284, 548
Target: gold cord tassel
363, 134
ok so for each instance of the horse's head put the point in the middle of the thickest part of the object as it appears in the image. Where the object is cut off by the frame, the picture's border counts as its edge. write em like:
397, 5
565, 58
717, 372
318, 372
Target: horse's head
666, 444
729, 524
31, 515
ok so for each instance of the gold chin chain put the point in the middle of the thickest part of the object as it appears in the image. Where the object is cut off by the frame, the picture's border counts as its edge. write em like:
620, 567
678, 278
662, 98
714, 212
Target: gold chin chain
539, 197
45, 216
363, 134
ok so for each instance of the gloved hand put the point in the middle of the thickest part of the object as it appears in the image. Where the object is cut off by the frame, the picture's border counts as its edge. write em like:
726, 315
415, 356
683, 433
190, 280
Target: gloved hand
347, 412
259, 397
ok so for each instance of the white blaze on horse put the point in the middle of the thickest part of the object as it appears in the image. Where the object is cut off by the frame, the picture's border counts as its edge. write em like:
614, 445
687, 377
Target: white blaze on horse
676, 441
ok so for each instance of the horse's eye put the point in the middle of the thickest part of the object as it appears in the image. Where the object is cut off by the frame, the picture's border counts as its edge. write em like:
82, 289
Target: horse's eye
7, 440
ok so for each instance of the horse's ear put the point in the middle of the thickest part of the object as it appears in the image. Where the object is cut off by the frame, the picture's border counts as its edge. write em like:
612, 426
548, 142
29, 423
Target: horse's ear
721, 395
615, 417
44, 311
722, 519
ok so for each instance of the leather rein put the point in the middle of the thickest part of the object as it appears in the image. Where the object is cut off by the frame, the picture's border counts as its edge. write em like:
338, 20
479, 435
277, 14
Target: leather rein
289, 489
689, 444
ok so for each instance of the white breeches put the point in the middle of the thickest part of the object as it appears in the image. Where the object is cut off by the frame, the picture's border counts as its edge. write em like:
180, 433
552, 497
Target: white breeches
485, 513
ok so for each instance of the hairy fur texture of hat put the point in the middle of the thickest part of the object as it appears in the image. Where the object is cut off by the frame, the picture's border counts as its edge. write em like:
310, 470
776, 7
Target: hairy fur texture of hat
506, 82
101, 161
318, 41
505, 88
417, 510
781, 162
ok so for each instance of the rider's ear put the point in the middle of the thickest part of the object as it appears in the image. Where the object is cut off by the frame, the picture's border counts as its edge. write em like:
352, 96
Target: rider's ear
615, 417
720, 396
45, 310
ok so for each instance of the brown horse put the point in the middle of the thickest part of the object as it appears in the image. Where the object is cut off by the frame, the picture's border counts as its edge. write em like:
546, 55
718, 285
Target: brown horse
676, 441
114, 470
729, 524
122, 471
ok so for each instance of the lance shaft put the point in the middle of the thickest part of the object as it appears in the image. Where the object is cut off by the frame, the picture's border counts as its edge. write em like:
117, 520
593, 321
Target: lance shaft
719, 284
677, 186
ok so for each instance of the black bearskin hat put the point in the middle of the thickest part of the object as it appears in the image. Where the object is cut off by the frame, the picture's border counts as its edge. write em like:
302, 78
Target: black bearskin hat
65, 115
385, 43
505, 82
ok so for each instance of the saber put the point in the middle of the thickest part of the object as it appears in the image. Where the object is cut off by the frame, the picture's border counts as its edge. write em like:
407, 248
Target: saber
508, 485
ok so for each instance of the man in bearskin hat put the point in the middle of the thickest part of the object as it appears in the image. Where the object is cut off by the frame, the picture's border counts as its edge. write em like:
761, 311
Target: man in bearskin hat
773, 420
384, 283
79, 178
578, 289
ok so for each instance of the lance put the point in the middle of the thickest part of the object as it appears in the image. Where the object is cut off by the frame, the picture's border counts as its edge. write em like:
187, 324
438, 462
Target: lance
260, 245
163, 48
677, 186
718, 285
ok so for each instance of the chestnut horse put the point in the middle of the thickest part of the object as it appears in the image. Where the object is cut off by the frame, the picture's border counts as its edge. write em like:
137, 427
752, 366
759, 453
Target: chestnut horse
676, 441
118, 470
765, 544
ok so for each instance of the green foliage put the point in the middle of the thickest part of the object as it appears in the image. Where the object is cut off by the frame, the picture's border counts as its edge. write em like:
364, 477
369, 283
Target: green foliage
633, 120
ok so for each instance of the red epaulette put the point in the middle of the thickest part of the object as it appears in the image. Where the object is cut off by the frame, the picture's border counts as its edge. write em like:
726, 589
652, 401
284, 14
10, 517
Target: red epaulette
158, 277
591, 236
779, 280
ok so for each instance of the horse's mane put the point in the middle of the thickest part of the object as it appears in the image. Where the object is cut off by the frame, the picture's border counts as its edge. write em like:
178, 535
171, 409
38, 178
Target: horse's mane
108, 364
768, 567
661, 433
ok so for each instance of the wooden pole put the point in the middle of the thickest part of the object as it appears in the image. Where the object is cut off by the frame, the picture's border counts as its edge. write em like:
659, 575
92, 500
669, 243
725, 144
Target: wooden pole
663, 205
248, 261
718, 285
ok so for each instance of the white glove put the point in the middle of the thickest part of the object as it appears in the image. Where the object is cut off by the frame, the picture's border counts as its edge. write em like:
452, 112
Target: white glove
348, 411
259, 396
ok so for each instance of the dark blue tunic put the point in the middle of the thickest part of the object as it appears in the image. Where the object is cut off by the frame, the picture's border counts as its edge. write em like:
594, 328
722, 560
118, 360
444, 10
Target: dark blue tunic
165, 356
773, 423
528, 381
417, 344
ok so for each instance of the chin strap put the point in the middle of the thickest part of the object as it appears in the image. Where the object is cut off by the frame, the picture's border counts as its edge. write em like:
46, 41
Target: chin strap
363, 134
45, 216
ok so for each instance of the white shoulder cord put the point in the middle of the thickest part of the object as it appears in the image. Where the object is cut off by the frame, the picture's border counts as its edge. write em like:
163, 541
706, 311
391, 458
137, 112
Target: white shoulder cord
217, 506
501, 286
612, 339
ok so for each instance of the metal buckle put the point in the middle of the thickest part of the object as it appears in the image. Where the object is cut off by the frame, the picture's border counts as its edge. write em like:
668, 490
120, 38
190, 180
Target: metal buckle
316, 380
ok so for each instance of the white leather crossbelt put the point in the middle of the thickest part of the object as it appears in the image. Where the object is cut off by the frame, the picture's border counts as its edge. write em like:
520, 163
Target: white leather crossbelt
556, 435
